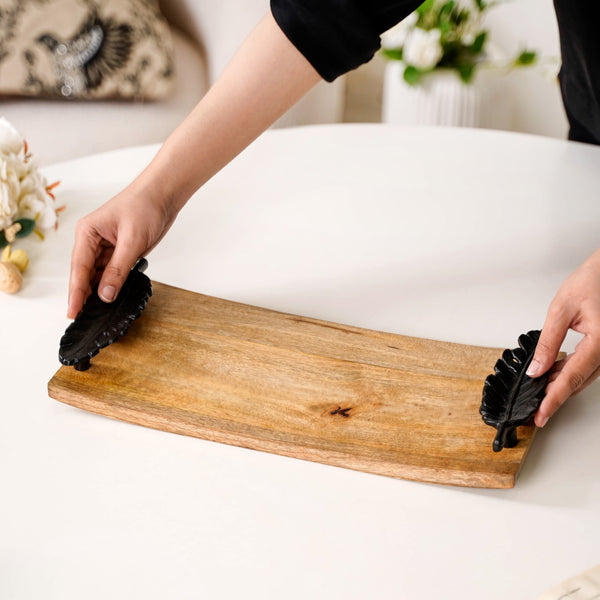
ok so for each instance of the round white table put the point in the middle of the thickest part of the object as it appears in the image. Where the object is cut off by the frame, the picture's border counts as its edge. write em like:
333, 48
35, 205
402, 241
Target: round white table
460, 235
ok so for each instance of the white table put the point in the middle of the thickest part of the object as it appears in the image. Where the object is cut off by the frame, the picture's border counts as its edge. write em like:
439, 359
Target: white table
450, 234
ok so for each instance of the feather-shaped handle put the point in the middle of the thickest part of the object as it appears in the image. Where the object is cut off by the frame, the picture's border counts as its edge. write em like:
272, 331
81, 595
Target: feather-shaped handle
100, 324
510, 397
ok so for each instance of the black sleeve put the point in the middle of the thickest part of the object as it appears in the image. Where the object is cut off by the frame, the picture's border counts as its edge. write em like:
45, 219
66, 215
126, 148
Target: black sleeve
580, 71
336, 36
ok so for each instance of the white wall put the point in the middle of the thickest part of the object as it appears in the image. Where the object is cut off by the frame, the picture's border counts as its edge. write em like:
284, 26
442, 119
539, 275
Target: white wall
221, 27
530, 23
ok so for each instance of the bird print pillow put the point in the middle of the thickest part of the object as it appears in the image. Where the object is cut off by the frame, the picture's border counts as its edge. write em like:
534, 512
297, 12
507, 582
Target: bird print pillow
85, 49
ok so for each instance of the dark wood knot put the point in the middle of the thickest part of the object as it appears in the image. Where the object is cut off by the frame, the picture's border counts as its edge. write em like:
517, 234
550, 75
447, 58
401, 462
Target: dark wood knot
341, 411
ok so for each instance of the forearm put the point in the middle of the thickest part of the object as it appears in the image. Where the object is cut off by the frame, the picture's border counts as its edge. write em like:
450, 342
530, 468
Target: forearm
264, 79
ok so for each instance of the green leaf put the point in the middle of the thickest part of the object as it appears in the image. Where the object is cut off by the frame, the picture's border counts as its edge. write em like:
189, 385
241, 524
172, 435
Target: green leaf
3, 240
461, 17
412, 75
466, 72
425, 7
27, 226
392, 53
527, 57
446, 10
477, 45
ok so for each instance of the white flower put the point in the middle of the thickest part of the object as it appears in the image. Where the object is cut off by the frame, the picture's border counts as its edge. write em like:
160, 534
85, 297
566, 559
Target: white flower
10, 139
396, 36
30, 206
550, 69
469, 33
471, 29
33, 182
35, 206
23, 189
47, 218
465, 5
34, 201
422, 48
9, 194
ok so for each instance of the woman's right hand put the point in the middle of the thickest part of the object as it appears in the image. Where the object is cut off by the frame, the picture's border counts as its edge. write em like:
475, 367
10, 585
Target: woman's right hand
110, 240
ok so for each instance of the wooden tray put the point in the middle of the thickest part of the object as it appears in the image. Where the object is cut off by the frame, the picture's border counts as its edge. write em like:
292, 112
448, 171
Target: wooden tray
377, 402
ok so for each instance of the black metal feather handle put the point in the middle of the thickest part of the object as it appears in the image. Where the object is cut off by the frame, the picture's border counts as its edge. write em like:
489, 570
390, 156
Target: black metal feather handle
100, 324
510, 397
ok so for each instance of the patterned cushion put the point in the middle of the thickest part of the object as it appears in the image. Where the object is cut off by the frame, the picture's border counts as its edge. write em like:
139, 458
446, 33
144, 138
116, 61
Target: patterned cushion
84, 49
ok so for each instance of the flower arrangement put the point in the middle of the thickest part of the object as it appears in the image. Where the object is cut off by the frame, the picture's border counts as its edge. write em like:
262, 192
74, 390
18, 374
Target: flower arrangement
444, 34
27, 204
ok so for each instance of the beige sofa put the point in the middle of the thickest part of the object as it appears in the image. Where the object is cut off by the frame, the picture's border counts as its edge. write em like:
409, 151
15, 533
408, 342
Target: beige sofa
206, 34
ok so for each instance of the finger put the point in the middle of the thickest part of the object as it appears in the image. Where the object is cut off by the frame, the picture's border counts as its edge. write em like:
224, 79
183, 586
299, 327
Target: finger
590, 380
557, 367
125, 255
572, 377
103, 257
553, 333
83, 259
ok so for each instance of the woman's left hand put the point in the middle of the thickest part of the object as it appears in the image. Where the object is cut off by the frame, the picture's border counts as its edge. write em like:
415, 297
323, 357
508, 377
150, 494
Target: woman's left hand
576, 306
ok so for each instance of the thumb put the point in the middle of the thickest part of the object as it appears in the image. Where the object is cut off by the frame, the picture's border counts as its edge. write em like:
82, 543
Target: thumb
116, 271
552, 336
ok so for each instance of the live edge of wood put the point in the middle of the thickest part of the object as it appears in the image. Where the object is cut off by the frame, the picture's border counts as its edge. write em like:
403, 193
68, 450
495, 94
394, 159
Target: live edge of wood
345, 396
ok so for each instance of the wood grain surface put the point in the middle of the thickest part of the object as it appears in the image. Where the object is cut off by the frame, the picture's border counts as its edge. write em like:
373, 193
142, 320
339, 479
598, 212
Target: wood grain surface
378, 402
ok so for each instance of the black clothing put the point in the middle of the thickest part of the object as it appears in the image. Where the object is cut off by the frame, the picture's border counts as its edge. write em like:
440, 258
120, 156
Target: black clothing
578, 22
336, 36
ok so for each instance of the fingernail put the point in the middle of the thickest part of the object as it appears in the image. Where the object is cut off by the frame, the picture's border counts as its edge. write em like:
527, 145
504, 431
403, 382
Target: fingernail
534, 369
108, 293
543, 421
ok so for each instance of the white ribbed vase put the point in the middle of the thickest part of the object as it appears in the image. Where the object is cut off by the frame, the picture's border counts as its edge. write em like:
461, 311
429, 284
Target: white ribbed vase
441, 98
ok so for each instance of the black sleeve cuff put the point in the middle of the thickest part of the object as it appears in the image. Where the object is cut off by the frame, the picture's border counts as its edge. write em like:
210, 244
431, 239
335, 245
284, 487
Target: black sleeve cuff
335, 36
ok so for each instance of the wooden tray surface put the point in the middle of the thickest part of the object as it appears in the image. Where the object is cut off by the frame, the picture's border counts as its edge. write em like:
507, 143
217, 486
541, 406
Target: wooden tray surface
228, 372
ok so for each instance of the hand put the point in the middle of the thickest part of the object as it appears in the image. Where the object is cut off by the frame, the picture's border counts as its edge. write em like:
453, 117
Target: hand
265, 77
109, 241
576, 306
